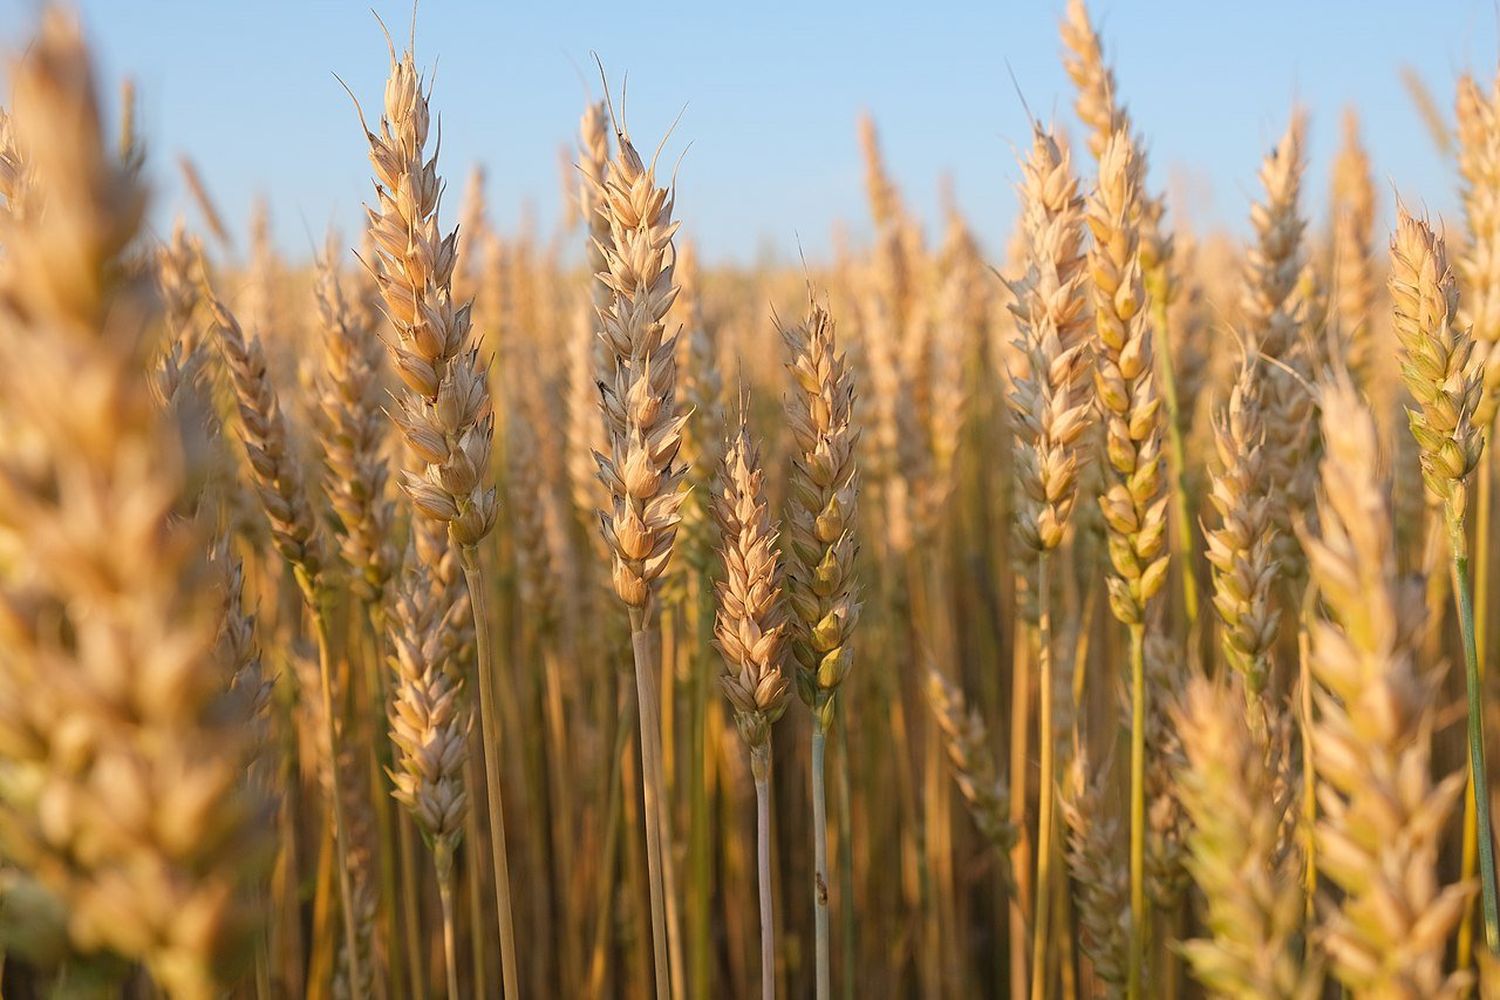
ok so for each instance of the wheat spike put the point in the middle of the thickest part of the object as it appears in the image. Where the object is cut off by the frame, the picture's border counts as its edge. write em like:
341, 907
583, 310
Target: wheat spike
1135, 501
1241, 548
1052, 404
353, 437
1435, 352
1275, 322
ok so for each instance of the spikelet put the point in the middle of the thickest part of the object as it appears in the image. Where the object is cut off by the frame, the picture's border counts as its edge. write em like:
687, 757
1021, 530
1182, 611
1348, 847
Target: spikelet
1250, 887
1435, 353
1052, 403
1381, 815
971, 762
1274, 321
750, 625
1240, 548
641, 471
820, 514
1135, 501
444, 414
1479, 265
124, 749
1353, 267
353, 437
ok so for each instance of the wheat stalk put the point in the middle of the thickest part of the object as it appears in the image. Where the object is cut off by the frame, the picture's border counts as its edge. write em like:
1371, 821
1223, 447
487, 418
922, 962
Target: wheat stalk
125, 749
642, 471
1135, 501
1435, 356
1053, 411
445, 411
1377, 840
750, 630
820, 517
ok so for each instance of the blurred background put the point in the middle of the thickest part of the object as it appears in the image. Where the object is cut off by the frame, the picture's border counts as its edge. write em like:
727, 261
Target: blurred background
768, 93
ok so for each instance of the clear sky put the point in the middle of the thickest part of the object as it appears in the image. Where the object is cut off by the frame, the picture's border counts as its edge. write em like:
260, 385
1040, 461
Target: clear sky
771, 91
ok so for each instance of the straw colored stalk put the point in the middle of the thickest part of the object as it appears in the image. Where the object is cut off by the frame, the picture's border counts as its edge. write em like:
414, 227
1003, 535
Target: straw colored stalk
1382, 815
820, 517
1135, 500
1053, 409
125, 802
1435, 364
444, 412
750, 631
642, 472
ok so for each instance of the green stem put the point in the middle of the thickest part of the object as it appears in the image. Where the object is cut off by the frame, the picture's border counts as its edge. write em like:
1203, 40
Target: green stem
1177, 461
340, 826
652, 793
1041, 925
700, 859
1478, 778
1470, 853
489, 731
760, 765
1137, 808
845, 852
1309, 768
820, 861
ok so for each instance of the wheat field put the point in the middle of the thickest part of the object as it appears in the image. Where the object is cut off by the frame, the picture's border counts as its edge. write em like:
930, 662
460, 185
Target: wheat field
467, 613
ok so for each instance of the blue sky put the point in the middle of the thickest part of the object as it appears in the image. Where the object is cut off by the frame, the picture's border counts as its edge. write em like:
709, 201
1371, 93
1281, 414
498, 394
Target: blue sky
771, 91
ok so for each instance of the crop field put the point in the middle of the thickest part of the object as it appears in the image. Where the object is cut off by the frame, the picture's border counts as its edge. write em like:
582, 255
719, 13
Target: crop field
1100, 608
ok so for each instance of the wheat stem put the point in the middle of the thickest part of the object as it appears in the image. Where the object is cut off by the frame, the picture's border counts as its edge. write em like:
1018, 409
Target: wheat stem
443, 859
490, 736
760, 764
1470, 853
652, 790
1478, 782
1137, 809
820, 861
1176, 461
1045, 783
340, 825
